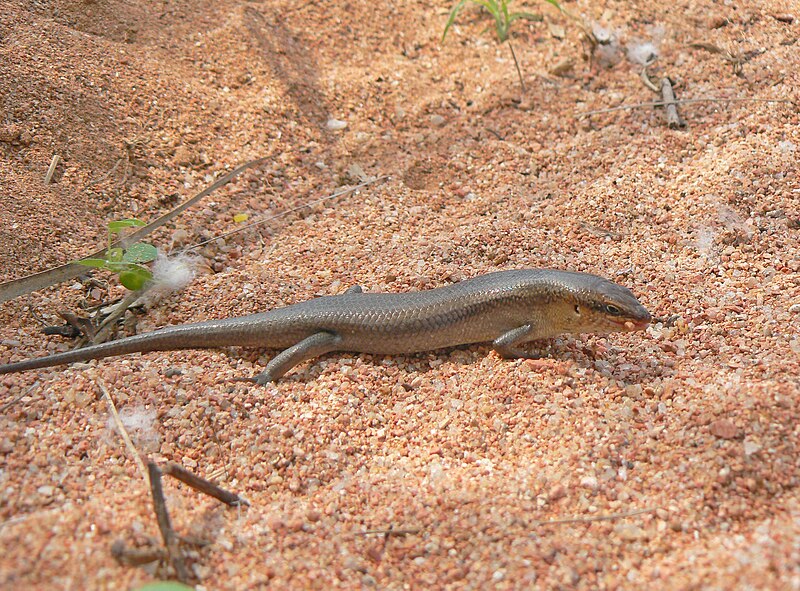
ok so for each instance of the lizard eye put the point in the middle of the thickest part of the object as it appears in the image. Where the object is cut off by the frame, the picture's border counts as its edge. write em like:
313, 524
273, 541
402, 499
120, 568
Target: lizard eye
613, 310
577, 309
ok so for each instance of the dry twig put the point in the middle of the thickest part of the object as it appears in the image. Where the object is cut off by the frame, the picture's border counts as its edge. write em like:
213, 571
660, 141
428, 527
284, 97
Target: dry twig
674, 120
17, 398
288, 211
165, 525
137, 458
388, 532
171, 540
204, 486
103, 331
727, 55
682, 102
18, 287
668, 100
48, 177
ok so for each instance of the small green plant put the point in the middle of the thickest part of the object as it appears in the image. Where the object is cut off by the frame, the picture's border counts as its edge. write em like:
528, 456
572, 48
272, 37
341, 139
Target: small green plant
128, 262
503, 18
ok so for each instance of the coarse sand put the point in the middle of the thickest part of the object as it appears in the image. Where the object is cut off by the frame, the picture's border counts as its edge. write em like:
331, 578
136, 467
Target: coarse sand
665, 459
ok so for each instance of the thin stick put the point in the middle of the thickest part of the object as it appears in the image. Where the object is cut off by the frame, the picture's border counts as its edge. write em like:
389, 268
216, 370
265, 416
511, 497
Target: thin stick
136, 556
287, 212
162, 515
516, 65
597, 231
164, 525
683, 102
674, 120
598, 518
19, 397
645, 78
124, 433
104, 330
17, 287
388, 532
203, 485
495, 134
52, 169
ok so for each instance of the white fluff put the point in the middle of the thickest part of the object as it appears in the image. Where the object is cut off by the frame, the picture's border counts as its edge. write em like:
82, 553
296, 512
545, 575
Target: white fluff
173, 273
642, 53
645, 52
141, 424
170, 274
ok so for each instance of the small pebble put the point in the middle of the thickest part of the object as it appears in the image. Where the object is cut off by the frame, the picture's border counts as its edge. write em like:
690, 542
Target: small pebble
724, 429
751, 447
336, 124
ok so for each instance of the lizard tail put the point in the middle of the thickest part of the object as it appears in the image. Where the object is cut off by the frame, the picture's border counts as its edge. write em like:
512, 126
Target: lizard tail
199, 335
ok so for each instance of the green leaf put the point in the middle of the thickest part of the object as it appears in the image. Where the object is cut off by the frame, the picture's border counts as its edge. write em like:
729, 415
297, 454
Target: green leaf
114, 255
500, 13
504, 6
117, 266
502, 30
500, 26
560, 8
135, 277
118, 225
165, 586
453, 14
491, 6
99, 263
141, 252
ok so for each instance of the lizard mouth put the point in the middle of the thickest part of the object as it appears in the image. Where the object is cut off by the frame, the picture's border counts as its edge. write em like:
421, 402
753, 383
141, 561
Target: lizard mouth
639, 324
632, 324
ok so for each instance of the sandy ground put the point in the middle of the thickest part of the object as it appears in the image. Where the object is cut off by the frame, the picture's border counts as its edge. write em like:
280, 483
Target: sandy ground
666, 459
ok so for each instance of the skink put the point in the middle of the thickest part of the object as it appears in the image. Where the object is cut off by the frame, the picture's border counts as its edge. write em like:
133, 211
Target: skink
508, 308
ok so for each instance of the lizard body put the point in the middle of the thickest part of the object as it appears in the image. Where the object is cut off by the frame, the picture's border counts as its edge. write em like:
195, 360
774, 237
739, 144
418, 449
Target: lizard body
508, 308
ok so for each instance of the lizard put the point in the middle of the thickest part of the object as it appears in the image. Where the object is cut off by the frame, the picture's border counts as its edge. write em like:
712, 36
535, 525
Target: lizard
507, 308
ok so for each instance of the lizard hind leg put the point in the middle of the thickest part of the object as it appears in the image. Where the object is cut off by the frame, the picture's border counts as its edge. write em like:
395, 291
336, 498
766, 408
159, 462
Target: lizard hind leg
354, 289
315, 345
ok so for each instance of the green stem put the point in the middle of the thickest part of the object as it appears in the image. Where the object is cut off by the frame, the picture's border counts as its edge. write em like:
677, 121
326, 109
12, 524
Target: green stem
516, 65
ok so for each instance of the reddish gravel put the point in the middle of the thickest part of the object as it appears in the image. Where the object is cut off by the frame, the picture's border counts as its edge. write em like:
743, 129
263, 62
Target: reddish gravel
685, 436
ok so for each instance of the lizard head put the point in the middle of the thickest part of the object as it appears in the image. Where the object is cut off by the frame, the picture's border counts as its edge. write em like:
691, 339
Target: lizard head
606, 307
